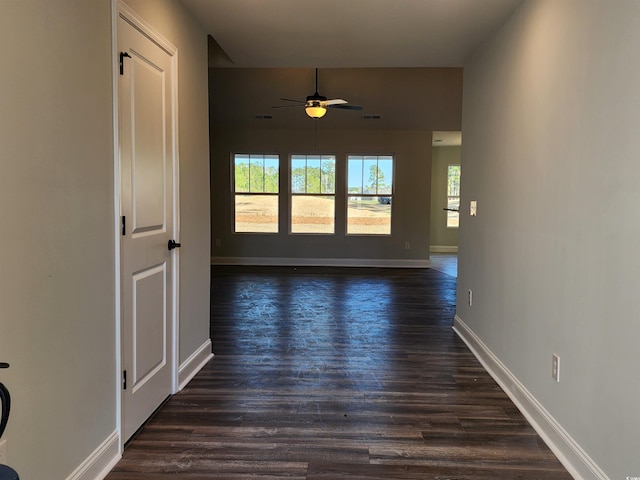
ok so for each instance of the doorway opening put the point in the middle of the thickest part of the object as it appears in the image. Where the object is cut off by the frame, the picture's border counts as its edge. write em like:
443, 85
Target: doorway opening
445, 201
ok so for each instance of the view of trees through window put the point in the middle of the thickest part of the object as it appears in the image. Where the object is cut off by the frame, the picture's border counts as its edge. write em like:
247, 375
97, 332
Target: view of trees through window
370, 194
453, 196
312, 194
313, 185
256, 188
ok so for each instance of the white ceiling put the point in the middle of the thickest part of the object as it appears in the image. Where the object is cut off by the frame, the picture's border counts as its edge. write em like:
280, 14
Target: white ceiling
350, 33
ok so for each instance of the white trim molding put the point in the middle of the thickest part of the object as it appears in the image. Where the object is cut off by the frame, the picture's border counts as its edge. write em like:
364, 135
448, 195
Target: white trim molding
115, 12
120, 10
131, 16
568, 451
443, 249
192, 365
101, 461
321, 262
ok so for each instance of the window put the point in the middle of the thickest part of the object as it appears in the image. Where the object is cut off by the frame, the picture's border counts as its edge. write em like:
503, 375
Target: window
370, 194
313, 187
256, 193
453, 196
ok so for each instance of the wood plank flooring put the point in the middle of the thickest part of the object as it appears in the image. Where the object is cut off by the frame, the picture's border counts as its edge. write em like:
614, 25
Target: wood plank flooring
344, 373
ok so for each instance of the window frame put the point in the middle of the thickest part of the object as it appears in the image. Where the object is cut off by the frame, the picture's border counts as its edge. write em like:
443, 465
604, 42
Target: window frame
377, 194
451, 213
292, 194
264, 156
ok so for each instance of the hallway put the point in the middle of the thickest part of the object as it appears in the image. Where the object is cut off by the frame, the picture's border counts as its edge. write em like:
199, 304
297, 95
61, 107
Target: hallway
327, 373
445, 263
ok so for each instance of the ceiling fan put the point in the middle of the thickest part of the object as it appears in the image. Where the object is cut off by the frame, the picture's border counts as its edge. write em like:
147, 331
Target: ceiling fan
316, 105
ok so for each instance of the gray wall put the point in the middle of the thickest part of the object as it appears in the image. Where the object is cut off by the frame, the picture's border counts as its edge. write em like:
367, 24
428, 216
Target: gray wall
410, 212
57, 327
550, 153
57, 288
413, 102
441, 235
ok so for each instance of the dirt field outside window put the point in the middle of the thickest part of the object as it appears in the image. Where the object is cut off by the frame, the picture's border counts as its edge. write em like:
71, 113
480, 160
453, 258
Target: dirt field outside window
313, 215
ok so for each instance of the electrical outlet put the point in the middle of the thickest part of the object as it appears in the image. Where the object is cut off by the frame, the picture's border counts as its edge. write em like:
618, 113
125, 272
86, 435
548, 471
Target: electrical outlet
473, 208
3, 452
218, 242
470, 297
555, 367
407, 246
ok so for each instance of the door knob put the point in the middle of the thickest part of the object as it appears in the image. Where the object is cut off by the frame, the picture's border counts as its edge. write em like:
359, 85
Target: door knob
173, 244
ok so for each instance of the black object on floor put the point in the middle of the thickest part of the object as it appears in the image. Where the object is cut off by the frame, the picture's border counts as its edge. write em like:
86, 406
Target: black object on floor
8, 473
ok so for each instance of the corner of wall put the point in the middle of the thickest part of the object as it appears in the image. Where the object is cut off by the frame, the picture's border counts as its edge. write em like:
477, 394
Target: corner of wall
97, 465
192, 365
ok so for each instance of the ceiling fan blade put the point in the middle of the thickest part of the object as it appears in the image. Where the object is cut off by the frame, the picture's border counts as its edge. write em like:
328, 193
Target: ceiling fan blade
317, 100
335, 101
288, 106
346, 107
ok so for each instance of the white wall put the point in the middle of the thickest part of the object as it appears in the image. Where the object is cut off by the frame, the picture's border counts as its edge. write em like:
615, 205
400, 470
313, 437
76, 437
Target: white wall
551, 118
57, 295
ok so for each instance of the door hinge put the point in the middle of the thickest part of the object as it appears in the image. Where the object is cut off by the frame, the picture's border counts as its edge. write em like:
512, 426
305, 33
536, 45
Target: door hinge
124, 225
124, 379
122, 56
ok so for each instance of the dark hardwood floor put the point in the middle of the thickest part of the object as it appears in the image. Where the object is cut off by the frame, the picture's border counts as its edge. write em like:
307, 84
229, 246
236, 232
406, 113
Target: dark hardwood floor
326, 373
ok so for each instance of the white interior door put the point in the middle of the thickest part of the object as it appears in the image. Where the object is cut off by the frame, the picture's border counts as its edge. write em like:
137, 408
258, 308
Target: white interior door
146, 143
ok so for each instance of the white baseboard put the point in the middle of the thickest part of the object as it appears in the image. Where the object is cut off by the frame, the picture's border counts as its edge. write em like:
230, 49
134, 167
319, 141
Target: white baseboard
321, 262
107, 455
443, 249
100, 462
194, 364
571, 455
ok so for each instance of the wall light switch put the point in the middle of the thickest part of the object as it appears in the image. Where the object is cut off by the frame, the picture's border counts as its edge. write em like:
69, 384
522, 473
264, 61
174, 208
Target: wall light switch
555, 367
473, 208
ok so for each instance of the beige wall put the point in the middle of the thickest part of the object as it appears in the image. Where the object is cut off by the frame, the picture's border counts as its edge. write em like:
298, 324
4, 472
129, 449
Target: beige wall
410, 213
441, 235
57, 288
405, 98
550, 153
413, 102
57, 315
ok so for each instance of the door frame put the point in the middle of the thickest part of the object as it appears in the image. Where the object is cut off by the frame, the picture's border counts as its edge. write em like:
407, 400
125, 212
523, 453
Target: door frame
119, 9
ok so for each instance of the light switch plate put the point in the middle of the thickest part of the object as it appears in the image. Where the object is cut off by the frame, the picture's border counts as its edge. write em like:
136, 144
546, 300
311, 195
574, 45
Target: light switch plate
473, 208
555, 367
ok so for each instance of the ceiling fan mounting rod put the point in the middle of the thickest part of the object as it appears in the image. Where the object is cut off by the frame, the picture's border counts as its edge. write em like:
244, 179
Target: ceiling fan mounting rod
316, 97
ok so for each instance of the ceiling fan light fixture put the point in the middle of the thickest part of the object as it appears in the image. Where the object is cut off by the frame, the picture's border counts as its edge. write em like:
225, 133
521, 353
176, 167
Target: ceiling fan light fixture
316, 105
315, 111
